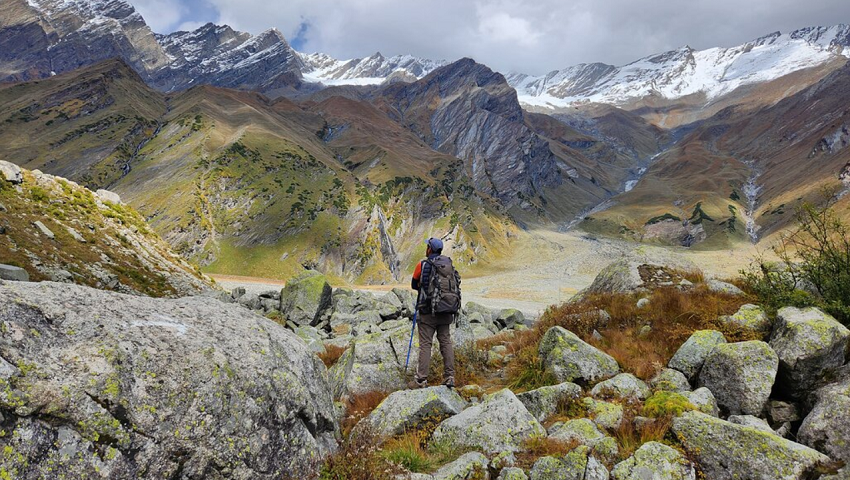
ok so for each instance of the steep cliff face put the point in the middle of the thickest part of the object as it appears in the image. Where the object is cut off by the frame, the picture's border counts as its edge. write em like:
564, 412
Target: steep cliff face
468, 111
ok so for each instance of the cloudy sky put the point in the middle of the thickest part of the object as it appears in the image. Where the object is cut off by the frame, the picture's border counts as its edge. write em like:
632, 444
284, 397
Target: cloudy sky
532, 36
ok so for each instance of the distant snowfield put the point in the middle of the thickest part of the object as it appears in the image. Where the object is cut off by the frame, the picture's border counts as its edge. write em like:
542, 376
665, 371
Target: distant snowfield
713, 72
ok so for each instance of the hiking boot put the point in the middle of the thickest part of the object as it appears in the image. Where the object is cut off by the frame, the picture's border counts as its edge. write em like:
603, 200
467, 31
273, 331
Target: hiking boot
414, 384
449, 382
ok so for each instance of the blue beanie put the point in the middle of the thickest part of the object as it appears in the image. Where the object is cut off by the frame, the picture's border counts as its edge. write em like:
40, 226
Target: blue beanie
435, 243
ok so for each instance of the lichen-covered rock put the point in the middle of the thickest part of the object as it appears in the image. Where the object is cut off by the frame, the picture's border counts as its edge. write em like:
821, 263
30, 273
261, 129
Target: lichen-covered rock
630, 275
704, 400
692, 354
781, 412
12, 273
826, 427
407, 409
605, 414
569, 359
469, 466
497, 424
750, 317
571, 466
725, 451
311, 338
512, 473
585, 432
809, 342
374, 362
670, 380
751, 421
740, 375
624, 386
305, 298
543, 402
135, 387
718, 286
653, 461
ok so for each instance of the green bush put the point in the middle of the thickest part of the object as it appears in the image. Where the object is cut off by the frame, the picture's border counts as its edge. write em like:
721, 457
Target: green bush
816, 255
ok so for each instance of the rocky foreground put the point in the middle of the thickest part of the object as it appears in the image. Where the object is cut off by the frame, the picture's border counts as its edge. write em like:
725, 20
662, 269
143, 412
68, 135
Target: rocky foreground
103, 385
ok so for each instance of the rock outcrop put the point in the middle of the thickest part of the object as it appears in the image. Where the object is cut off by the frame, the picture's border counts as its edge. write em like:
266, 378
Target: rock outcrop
102, 385
690, 357
305, 297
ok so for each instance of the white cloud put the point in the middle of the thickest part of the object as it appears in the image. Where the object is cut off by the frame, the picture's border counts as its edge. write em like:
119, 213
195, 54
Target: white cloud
161, 15
533, 36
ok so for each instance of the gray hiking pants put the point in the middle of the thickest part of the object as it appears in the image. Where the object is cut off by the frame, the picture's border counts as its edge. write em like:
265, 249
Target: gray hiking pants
428, 325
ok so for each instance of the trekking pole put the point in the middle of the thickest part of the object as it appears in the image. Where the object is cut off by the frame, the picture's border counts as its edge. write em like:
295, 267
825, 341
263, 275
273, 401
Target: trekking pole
412, 329
410, 344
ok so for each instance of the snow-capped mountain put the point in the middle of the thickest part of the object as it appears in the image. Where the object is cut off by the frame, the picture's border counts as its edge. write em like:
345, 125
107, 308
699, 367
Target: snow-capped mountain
678, 73
376, 69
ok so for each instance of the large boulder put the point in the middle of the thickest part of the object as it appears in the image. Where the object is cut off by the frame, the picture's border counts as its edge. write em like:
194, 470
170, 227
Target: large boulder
726, 451
718, 286
624, 386
749, 317
740, 375
585, 432
305, 297
624, 276
704, 400
10, 172
689, 358
654, 460
102, 385
509, 318
375, 362
826, 427
499, 423
809, 342
670, 380
569, 359
407, 409
575, 465
543, 402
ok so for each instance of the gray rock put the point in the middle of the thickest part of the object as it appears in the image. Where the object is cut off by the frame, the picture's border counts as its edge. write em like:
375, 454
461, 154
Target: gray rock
543, 402
624, 276
75, 235
311, 338
374, 362
781, 412
740, 375
704, 400
572, 466
43, 229
61, 276
723, 287
249, 301
143, 388
750, 421
809, 343
499, 423
108, 196
237, 293
487, 314
605, 414
585, 432
654, 460
842, 474
510, 317
512, 473
689, 358
751, 317
643, 303
569, 359
724, 451
15, 274
624, 386
670, 380
826, 427
469, 466
305, 298
406, 409
11, 172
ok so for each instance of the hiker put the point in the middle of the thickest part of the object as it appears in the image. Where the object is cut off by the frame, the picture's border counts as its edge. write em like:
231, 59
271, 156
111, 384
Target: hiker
437, 305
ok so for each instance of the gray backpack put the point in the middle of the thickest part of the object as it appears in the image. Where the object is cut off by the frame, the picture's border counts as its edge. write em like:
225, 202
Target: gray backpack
443, 289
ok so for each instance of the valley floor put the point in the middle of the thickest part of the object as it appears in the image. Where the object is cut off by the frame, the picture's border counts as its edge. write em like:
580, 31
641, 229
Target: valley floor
548, 267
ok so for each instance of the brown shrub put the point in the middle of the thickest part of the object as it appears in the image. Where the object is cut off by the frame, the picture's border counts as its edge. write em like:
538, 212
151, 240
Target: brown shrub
358, 458
358, 407
630, 437
331, 354
536, 447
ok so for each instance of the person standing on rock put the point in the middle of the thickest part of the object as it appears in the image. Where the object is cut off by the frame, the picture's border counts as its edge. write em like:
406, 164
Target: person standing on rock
437, 304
